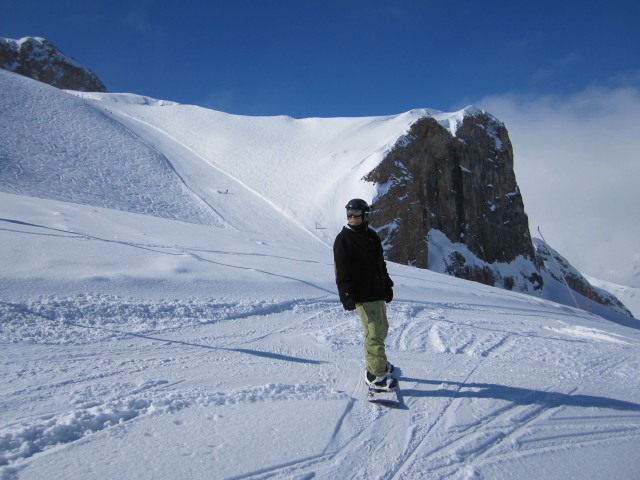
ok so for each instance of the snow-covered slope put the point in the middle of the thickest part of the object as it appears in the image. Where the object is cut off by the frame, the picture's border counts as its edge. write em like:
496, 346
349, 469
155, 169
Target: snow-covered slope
140, 347
628, 295
125, 151
207, 340
305, 168
142, 155
56, 146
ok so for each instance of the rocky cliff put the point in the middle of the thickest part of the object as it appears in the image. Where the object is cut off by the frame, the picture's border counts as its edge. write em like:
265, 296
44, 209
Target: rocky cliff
41, 60
448, 201
461, 183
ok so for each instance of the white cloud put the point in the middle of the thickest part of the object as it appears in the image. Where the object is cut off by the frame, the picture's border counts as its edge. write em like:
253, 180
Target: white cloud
577, 161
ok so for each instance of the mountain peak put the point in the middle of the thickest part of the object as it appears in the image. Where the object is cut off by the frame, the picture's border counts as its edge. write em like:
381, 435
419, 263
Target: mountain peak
40, 59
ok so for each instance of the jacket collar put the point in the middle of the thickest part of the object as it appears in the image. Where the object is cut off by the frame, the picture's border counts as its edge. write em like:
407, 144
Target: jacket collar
363, 227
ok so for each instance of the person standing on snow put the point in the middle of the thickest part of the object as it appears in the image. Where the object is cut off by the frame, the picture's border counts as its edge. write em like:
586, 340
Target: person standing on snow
364, 285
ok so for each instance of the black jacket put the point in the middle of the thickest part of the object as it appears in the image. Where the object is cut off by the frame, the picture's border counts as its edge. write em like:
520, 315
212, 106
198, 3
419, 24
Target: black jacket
361, 272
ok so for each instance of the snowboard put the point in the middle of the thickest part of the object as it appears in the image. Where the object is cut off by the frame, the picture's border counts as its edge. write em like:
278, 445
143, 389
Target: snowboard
383, 397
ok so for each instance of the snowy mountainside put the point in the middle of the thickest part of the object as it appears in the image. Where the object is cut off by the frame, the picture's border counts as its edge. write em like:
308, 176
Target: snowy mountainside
302, 168
629, 295
600, 301
307, 168
142, 155
143, 347
583, 294
154, 326
56, 146
112, 150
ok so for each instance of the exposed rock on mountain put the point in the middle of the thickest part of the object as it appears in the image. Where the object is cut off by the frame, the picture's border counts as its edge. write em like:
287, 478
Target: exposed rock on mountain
37, 58
448, 201
460, 183
561, 270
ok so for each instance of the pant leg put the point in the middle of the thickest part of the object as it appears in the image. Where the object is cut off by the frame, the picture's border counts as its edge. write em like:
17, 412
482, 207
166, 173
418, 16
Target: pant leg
376, 327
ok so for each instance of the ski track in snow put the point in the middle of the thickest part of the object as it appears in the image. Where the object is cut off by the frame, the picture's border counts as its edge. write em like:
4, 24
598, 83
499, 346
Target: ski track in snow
41, 323
449, 423
131, 120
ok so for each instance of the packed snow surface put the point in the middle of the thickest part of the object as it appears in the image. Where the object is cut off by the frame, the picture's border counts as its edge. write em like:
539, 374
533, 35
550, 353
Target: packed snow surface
207, 340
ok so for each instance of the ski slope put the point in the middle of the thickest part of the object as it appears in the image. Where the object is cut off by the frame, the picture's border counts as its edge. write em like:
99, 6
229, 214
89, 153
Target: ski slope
207, 340
141, 347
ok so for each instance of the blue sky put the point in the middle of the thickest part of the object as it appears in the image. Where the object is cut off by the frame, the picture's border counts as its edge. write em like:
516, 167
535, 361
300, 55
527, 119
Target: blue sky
564, 76
338, 58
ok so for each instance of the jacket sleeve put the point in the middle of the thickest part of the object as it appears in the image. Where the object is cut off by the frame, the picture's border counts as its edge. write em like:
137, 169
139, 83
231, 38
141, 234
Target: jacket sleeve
388, 283
342, 269
382, 264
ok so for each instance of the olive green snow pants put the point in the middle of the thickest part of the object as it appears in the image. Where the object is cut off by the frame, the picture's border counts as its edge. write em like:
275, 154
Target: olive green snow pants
376, 327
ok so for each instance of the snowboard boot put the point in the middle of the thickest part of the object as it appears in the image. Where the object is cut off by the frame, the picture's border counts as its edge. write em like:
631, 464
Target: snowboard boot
385, 383
390, 369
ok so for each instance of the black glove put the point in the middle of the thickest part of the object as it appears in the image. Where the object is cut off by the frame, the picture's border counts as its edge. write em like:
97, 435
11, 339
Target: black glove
349, 304
388, 295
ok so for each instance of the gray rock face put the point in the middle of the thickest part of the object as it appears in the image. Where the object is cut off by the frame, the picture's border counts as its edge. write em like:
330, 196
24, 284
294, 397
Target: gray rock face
448, 201
41, 60
462, 185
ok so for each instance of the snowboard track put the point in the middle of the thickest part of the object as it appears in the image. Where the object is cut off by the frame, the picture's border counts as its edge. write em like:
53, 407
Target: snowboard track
427, 436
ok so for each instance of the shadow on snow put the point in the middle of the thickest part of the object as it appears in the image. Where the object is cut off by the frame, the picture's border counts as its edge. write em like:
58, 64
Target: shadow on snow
257, 353
520, 396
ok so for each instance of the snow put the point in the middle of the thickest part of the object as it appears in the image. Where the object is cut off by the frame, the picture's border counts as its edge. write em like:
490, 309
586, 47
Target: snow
154, 326
629, 295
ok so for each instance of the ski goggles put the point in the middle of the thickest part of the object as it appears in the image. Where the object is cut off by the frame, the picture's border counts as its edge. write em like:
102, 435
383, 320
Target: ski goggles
355, 212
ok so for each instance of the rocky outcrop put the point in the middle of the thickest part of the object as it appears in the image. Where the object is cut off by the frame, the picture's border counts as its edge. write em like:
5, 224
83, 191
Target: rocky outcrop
41, 60
562, 271
447, 200
460, 183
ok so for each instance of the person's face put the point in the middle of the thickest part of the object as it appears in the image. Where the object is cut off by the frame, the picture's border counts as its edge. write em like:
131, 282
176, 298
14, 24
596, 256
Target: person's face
354, 220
